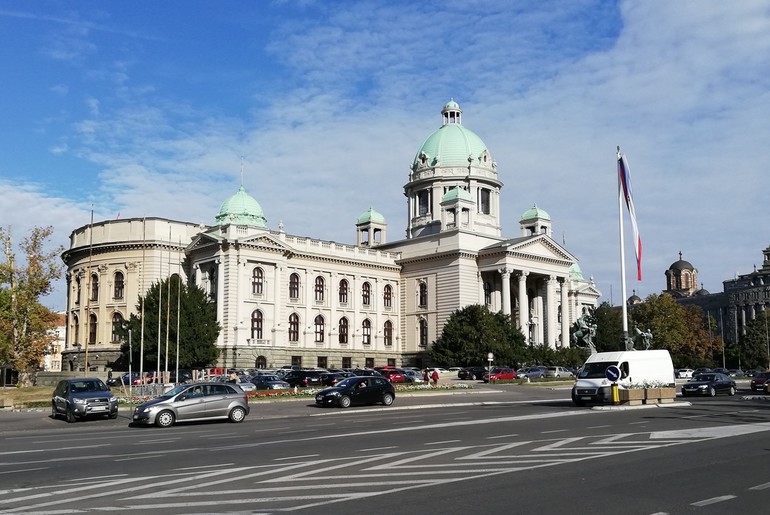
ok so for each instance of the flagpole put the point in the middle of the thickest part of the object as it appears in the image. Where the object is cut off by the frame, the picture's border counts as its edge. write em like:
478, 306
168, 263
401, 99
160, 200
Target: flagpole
623, 296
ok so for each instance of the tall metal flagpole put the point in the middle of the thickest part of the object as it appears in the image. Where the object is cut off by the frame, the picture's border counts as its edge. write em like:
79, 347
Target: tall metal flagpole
160, 313
168, 306
144, 299
623, 295
178, 309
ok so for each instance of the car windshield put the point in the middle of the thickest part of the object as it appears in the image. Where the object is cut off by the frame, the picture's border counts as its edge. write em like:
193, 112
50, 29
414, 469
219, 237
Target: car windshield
270, 378
350, 381
704, 377
175, 391
594, 370
89, 386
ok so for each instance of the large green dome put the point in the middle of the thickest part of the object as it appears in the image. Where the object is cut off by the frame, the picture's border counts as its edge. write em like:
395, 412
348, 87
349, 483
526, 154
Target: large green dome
452, 145
241, 209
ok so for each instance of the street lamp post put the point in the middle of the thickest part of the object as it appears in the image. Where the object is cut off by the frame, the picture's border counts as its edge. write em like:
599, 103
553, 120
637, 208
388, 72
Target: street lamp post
490, 358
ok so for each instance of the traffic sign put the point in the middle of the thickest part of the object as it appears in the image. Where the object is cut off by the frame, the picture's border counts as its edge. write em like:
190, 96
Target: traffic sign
612, 373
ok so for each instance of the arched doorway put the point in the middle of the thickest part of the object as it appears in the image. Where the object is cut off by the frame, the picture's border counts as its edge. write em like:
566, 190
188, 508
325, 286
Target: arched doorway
260, 362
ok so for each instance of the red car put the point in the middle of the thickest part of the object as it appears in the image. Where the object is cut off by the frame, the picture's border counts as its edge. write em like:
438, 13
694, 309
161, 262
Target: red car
394, 375
500, 374
759, 380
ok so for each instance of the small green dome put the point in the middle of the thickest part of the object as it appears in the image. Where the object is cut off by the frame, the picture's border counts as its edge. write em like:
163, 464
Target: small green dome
241, 209
535, 212
455, 193
371, 216
575, 274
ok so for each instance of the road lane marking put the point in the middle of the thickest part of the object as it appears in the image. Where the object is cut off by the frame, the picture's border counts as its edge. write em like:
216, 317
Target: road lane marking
297, 457
378, 448
713, 500
502, 436
760, 487
442, 442
554, 431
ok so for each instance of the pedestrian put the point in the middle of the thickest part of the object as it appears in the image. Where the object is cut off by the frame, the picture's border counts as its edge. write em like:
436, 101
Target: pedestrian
425, 377
233, 377
434, 377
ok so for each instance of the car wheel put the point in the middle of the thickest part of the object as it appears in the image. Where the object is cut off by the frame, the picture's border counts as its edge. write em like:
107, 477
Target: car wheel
70, 415
344, 401
54, 413
578, 403
165, 419
387, 399
684, 393
237, 414
113, 415
732, 390
712, 392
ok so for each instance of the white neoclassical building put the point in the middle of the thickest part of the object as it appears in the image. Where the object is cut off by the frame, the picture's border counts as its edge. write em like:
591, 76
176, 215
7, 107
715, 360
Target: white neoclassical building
290, 299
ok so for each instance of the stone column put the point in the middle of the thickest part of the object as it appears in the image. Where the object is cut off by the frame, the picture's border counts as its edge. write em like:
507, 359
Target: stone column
523, 305
550, 311
506, 275
743, 319
565, 321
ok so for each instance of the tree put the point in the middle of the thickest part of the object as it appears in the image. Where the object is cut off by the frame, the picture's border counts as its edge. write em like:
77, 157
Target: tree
754, 344
198, 326
682, 330
609, 327
25, 324
471, 333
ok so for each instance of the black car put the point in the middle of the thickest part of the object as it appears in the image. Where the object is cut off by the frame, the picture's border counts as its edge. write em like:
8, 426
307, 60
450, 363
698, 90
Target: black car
125, 379
303, 378
357, 390
331, 378
710, 384
83, 397
472, 373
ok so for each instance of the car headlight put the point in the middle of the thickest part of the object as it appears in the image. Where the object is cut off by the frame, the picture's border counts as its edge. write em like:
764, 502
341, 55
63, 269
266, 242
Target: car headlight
147, 409
334, 393
703, 386
79, 401
113, 399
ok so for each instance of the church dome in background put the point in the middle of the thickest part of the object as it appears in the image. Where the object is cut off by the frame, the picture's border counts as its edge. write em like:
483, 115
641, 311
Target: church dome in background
535, 212
681, 264
371, 216
241, 209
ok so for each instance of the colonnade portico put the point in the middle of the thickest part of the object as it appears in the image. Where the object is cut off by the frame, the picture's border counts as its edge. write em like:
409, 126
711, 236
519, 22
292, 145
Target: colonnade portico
543, 306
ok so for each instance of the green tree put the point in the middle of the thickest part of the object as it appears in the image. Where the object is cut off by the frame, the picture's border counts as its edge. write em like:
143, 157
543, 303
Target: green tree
682, 330
198, 326
609, 327
471, 333
753, 345
25, 324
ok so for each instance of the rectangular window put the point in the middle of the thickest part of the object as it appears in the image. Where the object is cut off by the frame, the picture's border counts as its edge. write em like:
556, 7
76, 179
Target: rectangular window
347, 362
369, 362
296, 361
322, 362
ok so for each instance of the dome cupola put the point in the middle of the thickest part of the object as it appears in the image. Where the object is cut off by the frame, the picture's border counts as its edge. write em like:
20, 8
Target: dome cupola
241, 209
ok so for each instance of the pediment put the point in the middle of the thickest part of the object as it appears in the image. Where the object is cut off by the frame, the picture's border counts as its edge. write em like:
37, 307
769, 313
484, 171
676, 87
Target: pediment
539, 247
266, 242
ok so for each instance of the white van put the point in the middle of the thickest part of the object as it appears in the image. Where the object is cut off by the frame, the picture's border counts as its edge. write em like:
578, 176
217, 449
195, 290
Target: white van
637, 367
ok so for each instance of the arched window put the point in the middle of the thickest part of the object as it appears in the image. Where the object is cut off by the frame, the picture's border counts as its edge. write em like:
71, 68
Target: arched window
294, 286
256, 325
94, 287
75, 330
366, 332
387, 332
319, 329
117, 325
343, 330
293, 327
320, 286
257, 281
366, 294
387, 296
422, 300
92, 329
260, 363
119, 283
423, 332
343, 291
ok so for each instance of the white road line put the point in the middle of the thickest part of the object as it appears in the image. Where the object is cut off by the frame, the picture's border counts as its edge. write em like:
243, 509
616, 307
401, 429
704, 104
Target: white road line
600, 427
297, 457
713, 500
501, 436
213, 465
553, 431
760, 487
441, 442
378, 448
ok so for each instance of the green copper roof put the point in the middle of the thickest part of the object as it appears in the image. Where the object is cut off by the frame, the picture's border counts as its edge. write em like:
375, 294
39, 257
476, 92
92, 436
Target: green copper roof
452, 145
535, 212
575, 274
241, 209
371, 216
455, 193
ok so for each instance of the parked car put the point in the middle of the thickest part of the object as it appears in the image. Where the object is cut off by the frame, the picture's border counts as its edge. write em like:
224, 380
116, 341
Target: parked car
268, 382
721, 371
413, 376
558, 372
736, 372
357, 390
532, 372
500, 374
331, 378
709, 384
303, 378
759, 380
124, 379
472, 373
361, 372
394, 375
684, 373
81, 398
193, 402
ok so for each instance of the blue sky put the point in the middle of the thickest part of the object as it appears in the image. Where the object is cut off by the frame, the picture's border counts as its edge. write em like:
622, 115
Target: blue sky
146, 109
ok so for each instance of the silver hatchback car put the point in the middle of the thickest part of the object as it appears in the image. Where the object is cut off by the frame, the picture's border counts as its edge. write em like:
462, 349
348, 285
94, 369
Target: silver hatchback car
194, 402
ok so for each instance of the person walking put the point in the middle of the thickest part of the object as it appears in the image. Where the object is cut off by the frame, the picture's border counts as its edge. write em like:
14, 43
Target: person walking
425, 377
434, 377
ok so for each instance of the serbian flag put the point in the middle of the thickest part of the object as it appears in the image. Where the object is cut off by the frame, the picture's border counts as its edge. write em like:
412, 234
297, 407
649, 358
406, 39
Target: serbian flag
625, 184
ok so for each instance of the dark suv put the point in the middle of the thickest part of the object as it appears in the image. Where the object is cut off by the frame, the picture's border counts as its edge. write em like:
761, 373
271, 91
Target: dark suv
303, 378
472, 373
79, 398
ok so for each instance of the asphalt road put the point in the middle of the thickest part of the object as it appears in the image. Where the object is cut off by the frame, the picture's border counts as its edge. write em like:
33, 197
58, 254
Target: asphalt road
507, 449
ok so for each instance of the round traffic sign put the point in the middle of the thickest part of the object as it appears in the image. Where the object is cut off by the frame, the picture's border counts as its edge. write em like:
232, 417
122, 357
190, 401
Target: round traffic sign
612, 373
